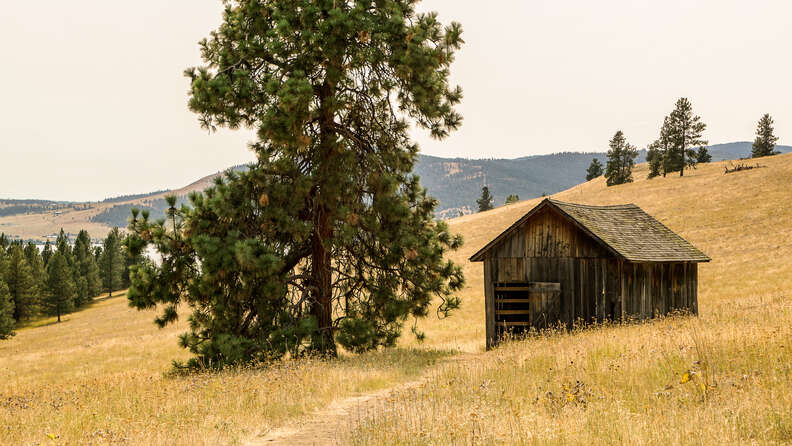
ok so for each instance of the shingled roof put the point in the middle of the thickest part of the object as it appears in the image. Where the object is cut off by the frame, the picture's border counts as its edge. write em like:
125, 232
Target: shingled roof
626, 230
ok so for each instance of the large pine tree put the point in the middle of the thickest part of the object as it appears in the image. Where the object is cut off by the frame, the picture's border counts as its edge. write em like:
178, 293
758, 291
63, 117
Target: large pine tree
111, 262
685, 131
21, 284
59, 298
621, 159
485, 202
765, 142
328, 237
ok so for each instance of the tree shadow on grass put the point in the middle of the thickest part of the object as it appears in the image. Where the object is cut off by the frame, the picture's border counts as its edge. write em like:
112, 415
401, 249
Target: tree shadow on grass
408, 361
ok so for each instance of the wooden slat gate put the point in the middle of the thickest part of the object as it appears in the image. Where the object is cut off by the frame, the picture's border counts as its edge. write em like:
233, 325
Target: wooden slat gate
518, 307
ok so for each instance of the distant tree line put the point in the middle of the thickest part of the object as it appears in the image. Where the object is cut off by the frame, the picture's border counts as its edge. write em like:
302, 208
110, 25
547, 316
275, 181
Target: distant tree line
59, 279
21, 209
121, 198
679, 146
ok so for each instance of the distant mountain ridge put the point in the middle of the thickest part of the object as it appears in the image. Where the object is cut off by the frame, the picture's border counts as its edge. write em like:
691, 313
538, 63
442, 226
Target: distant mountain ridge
456, 182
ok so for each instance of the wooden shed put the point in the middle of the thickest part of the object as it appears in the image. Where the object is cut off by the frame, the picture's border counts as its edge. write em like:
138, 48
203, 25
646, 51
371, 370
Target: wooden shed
567, 263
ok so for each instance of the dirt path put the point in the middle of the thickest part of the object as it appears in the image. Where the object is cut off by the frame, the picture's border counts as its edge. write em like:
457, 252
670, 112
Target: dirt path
324, 426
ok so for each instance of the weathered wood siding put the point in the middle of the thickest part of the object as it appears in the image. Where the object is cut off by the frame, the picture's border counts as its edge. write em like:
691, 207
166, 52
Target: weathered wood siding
595, 285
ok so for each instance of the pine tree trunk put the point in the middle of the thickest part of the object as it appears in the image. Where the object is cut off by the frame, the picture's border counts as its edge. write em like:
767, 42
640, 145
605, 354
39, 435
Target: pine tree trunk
684, 144
322, 305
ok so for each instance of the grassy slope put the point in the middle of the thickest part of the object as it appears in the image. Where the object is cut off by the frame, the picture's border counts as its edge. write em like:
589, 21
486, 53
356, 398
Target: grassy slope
623, 384
98, 377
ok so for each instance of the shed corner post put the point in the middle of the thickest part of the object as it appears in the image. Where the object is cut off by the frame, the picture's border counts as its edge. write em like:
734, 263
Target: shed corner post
489, 303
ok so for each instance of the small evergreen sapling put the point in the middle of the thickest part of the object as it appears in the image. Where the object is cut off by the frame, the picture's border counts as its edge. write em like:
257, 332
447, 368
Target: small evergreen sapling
594, 170
485, 203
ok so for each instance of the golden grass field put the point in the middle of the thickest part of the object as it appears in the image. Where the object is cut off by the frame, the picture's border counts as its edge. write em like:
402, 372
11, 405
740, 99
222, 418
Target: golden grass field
100, 377
627, 383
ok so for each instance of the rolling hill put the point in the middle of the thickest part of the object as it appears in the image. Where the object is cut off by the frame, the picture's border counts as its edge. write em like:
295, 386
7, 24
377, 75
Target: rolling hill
455, 182
721, 378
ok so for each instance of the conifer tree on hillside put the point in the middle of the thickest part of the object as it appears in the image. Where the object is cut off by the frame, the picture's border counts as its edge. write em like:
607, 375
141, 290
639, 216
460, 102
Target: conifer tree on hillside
765, 142
46, 253
87, 278
654, 157
485, 203
512, 198
59, 298
621, 159
37, 268
663, 148
685, 132
6, 312
111, 263
3, 242
21, 284
329, 237
703, 155
62, 246
594, 170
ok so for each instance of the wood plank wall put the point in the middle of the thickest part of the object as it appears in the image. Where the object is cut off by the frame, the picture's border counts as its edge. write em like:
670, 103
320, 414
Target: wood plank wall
594, 284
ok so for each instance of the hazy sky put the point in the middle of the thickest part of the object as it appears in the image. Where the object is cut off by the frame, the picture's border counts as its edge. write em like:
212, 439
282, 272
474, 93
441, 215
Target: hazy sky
93, 101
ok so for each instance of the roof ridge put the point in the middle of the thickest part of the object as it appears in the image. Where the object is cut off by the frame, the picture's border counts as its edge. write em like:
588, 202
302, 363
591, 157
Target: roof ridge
592, 206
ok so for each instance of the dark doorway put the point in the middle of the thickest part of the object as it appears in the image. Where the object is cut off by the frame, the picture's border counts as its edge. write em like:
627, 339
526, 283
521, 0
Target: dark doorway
522, 306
